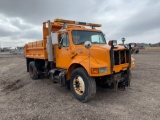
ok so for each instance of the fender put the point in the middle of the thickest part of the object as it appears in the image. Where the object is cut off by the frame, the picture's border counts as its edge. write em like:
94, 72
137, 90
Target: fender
83, 61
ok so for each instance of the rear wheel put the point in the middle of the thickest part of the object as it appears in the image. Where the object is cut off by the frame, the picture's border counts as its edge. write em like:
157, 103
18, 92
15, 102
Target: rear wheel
33, 71
82, 86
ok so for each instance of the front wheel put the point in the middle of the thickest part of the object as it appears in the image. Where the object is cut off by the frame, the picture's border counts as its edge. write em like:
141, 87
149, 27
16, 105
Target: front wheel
82, 86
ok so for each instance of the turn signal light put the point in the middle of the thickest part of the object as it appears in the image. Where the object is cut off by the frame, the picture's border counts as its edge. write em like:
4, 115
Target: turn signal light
94, 70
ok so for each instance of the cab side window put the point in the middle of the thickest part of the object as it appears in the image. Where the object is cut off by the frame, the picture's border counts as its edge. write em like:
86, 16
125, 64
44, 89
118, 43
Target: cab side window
64, 40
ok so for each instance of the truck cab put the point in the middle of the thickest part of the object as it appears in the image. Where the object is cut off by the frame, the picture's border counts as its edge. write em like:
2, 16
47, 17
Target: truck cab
77, 54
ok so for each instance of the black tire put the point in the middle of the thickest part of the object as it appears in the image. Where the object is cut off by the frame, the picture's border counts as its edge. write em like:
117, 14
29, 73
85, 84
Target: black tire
128, 78
137, 51
33, 71
89, 83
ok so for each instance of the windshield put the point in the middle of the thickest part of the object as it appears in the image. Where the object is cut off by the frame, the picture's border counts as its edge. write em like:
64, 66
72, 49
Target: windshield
81, 36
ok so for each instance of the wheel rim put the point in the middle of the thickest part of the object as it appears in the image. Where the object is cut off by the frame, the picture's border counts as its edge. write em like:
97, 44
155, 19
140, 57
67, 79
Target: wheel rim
78, 85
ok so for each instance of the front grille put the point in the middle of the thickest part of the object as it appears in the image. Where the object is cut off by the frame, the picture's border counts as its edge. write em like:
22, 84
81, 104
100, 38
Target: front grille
121, 57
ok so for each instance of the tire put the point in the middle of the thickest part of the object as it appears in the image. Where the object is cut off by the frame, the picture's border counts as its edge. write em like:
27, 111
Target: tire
33, 71
137, 51
83, 87
128, 78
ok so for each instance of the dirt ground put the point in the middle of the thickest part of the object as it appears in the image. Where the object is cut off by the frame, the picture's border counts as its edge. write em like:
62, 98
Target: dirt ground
24, 99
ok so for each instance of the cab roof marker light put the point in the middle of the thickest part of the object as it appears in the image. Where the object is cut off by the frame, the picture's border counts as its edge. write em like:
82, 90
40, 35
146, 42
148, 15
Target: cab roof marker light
77, 23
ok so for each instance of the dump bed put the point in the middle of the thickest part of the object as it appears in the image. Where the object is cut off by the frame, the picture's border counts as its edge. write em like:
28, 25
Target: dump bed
36, 50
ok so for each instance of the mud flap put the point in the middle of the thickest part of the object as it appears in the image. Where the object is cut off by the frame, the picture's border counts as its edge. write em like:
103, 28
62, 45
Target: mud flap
116, 79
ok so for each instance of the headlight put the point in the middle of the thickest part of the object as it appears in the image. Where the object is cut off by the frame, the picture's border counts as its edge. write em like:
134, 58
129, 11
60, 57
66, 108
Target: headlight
99, 70
133, 63
103, 69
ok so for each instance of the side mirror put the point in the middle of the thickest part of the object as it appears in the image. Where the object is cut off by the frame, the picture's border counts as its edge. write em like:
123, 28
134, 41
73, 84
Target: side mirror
87, 44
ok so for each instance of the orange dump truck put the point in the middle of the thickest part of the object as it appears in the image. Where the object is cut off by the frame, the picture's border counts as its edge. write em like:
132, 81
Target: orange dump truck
75, 54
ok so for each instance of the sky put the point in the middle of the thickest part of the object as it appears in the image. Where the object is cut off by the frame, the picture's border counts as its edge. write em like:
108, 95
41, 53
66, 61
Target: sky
136, 20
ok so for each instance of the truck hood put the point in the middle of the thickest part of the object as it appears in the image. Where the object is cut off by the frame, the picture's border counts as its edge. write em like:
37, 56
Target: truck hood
107, 47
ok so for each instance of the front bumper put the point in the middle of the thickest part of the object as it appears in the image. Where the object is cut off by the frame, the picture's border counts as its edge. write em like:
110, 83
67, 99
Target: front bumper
121, 67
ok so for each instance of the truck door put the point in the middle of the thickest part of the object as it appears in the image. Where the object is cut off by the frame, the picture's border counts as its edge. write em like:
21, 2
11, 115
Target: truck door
63, 58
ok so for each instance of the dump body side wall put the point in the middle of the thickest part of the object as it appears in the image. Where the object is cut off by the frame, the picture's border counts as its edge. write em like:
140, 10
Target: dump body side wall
36, 50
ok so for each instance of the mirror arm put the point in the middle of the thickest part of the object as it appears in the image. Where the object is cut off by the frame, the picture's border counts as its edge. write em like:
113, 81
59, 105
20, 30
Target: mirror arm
59, 46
